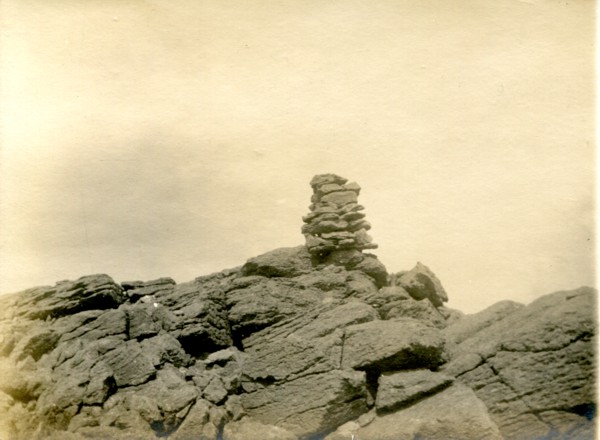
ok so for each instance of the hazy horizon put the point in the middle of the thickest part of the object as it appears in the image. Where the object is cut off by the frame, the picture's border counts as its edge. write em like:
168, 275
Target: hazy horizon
176, 139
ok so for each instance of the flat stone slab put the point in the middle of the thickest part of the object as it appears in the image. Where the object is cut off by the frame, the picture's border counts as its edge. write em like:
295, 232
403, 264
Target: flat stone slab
392, 345
400, 389
454, 413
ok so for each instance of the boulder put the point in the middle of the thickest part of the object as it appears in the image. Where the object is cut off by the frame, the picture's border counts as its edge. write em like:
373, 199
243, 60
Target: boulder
93, 292
136, 290
310, 405
371, 265
283, 262
392, 345
393, 302
421, 283
534, 367
454, 413
422, 311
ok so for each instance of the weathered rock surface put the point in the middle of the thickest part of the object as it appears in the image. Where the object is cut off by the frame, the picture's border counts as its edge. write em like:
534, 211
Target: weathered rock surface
197, 313
465, 328
68, 297
399, 389
300, 343
533, 367
283, 262
308, 353
297, 406
393, 302
455, 413
136, 290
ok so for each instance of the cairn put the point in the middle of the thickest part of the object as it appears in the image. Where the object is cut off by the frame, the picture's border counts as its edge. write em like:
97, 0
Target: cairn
335, 225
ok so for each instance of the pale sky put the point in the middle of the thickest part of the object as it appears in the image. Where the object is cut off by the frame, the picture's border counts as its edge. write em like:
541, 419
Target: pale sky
145, 139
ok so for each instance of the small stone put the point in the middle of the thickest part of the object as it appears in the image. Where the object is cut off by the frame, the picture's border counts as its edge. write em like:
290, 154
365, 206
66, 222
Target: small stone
223, 357
340, 198
352, 216
312, 241
351, 207
368, 246
347, 244
324, 208
329, 226
359, 224
353, 186
362, 238
340, 235
328, 188
344, 257
215, 392
235, 408
322, 179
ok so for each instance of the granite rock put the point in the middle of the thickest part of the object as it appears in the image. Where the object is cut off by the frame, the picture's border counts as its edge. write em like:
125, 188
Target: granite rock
421, 283
532, 367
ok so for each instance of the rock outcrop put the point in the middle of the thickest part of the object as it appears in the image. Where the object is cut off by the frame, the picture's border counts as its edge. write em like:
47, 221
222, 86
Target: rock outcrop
296, 344
533, 366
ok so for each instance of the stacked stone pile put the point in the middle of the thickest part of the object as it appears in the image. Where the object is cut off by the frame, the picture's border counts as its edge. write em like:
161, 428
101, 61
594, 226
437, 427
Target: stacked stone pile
335, 221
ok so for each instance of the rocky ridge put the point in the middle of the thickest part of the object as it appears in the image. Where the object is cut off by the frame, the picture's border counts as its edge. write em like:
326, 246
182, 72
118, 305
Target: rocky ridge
293, 345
